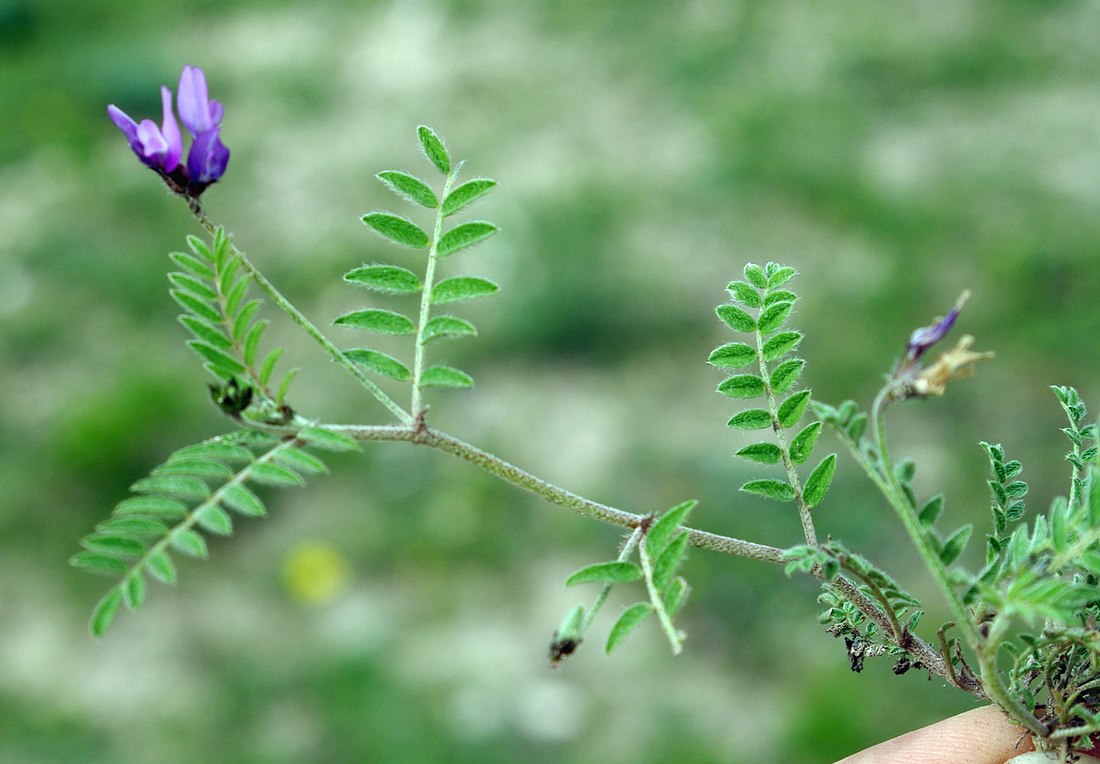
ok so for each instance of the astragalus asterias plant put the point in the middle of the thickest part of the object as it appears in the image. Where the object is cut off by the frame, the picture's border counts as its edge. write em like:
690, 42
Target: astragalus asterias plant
1024, 633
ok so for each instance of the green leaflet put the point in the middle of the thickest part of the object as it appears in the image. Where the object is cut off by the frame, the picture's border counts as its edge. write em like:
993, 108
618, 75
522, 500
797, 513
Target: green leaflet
803, 443
630, 619
773, 317
445, 376
462, 288
733, 355
616, 572
387, 279
745, 294
930, 512
792, 409
104, 612
665, 566
955, 544
243, 500
761, 453
754, 274
409, 187
446, 326
465, 194
434, 149
769, 489
742, 386
397, 229
676, 595
781, 344
268, 473
380, 363
786, 374
377, 320
735, 318
818, 481
464, 235
751, 419
663, 529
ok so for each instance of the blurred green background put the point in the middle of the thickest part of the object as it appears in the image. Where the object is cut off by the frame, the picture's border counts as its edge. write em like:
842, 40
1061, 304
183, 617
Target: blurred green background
399, 610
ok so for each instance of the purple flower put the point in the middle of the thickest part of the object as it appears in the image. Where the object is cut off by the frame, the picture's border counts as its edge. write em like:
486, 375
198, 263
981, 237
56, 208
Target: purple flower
161, 148
926, 337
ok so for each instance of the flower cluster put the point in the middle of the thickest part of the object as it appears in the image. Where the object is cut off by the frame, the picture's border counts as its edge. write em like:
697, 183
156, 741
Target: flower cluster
161, 148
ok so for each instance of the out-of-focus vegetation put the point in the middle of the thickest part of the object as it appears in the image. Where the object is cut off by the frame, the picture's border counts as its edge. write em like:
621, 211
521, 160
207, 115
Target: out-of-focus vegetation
399, 610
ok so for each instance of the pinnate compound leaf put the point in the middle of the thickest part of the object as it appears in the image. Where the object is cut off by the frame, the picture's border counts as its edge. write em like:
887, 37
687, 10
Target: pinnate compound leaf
742, 386
241, 499
105, 611
786, 374
380, 363
465, 194
99, 563
189, 542
172, 485
397, 229
327, 440
664, 567
464, 235
627, 622
754, 274
409, 187
803, 444
733, 355
751, 419
446, 326
769, 489
215, 519
377, 320
955, 544
387, 279
445, 376
818, 481
761, 453
781, 344
665, 527
268, 473
745, 294
773, 316
160, 566
605, 573
792, 409
462, 288
735, 318
434, 149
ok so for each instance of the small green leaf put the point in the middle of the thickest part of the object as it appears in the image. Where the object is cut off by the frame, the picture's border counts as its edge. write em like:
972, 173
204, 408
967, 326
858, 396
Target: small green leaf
377, 320
779, 295
205, 332
675, 596
267, 473
462, 288
781, 344
241, 499
192, 286
327, 439
133, 526
228, 271
161, 506
751, 419
769, 489
930, 512
387, 279
193, 264
99, 563
244, 318
742, 386
195, 467
818, 481
379, 362
464, 235
735, 318
732, 355
773, 316
409, 187
955, 544
446, 326
465, 194
235, 295
223, 452
745, 294
104, 612
268, 364
160, 566
665, 527
628, 621
198, 246
781, 277
218, 358
189, 542
397, 229
605, 573
434, 149
172, 485
300, 460
664, 567
284, 385
792, 409
803, 443
113, 544
754, 274
445, 376
133, 590
786, 374
761, 453
215, 519
252, 342
196, 306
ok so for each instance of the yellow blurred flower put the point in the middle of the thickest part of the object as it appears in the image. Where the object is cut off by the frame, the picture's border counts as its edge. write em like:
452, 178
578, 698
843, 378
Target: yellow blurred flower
315, 571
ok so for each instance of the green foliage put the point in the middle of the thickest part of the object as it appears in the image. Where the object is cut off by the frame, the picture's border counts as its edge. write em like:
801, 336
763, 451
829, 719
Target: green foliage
189, 492
433, 149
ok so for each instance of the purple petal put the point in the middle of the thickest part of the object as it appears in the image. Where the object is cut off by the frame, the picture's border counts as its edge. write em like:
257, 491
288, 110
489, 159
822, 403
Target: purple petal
152, 147
124, 123
193, 102
927, 336
216, 111
207, 159
171, 132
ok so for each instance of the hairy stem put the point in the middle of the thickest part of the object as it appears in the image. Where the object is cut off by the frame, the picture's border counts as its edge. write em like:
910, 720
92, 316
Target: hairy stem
307, 325
675, 637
